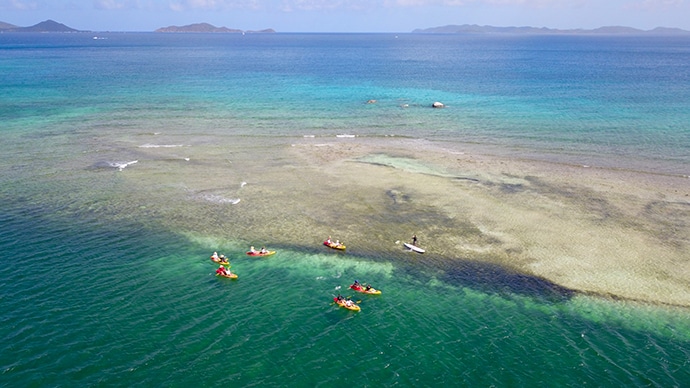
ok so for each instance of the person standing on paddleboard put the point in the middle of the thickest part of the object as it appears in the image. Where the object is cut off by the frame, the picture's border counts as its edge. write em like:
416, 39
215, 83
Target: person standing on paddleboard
414, 240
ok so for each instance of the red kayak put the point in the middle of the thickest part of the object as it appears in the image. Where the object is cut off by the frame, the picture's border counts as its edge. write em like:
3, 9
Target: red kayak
259, 253
225, 273
365, 290
228, 275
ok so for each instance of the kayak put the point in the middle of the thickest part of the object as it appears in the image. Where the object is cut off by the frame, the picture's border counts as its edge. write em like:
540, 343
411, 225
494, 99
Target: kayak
220, 262
363, 290
334, 245
342, 304
230, 276
413, 248
258, 253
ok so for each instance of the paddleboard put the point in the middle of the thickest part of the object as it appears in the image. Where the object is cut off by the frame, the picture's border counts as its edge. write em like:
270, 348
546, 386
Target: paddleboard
414, 248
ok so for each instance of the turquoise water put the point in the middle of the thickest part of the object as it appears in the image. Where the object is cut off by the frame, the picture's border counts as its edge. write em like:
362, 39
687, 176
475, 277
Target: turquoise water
148, 311
107, 279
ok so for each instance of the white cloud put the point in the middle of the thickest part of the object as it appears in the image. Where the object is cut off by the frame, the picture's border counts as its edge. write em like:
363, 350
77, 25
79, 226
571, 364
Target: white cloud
326, 5
214, 5
292, 5
110, 4
19, 5
273, 5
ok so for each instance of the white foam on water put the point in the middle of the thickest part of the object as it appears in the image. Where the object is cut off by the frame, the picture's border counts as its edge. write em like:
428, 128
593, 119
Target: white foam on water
345, 135
160, 145
219, 199
243, 184
122, 166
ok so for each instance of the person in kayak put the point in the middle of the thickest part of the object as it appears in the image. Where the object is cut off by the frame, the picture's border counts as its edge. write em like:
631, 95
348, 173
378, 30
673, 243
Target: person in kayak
222, 271
368, 288
215, 257
356, 285
251, 249
263, 250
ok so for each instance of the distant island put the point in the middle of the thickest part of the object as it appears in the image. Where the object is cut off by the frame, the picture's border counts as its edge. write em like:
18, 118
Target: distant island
208, 28
53, 26
611, 30
6, 26
46, 26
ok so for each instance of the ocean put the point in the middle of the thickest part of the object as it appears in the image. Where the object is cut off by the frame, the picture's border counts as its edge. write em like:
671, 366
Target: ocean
128, 158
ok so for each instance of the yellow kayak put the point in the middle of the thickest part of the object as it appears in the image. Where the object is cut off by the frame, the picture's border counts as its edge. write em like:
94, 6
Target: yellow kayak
232, 275
348, 304
219, 261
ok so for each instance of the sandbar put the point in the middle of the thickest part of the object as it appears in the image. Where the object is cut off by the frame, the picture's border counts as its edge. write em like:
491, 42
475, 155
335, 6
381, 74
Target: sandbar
614, 232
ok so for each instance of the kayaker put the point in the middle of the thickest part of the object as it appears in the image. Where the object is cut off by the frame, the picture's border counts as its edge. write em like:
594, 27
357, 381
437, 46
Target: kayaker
356, 285
215, 257
221, 270
368, 287
251, 249
263, 250
329, 240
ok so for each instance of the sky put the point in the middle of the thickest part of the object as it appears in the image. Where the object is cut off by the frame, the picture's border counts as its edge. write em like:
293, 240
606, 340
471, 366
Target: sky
346, 15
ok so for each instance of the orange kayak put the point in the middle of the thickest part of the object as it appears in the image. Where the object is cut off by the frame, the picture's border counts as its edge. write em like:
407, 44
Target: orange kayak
334, 245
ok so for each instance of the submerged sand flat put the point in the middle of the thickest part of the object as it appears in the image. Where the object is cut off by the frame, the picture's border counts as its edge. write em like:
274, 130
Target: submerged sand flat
616, 233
